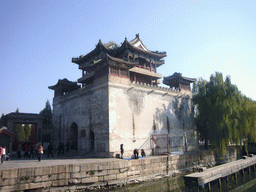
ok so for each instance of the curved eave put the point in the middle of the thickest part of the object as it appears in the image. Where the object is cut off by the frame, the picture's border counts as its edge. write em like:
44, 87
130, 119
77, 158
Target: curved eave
138, 40
159, 63
159, 55
146, 72
169, 79
52, 87
126, 45
191, 80
64, 83
99, 47
6, 132
131, 64
107, 58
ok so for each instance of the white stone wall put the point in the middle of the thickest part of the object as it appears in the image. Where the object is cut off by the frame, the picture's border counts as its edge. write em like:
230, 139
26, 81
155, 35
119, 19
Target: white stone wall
133, 110
88, 108
125, 113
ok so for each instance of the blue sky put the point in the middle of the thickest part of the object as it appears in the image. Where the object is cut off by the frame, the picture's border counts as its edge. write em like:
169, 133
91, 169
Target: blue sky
39, 38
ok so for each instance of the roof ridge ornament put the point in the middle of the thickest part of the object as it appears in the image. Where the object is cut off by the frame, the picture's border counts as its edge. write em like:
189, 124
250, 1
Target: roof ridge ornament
137, 35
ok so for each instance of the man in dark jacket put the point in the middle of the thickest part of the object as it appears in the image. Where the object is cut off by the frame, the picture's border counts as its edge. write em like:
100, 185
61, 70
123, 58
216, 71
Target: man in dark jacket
49, 150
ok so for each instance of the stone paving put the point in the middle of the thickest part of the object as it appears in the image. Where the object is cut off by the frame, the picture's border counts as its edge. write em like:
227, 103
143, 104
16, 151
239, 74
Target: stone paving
60, 160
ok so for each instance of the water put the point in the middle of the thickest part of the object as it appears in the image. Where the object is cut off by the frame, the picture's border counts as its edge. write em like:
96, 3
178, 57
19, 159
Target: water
163, 185
246, 184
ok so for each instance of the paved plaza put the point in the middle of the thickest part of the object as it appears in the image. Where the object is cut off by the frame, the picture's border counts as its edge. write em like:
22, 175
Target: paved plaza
62, 160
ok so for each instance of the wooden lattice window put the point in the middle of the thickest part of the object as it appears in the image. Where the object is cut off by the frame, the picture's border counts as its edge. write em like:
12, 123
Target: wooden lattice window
124, 72
114, 70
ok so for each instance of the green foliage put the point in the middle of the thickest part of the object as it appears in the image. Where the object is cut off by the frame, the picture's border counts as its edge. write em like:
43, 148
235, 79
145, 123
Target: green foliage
47, 113
20, 132
27, 130
224, 115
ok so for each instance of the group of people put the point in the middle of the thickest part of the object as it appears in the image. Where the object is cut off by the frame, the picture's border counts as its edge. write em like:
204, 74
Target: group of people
135, 152
2, 153
69, 145
30, 150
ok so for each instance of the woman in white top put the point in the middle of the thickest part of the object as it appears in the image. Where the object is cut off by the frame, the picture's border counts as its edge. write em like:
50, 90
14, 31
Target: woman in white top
3, 155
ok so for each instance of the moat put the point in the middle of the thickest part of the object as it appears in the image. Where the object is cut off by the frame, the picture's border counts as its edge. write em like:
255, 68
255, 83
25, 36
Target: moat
176, 184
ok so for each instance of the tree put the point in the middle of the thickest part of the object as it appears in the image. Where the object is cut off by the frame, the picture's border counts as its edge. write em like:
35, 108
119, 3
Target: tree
247, 123
46, 113
224, 115
20, 132
2, 120
27, 130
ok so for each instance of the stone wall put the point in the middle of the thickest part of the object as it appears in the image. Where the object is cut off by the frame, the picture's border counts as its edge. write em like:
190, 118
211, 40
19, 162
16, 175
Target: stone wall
138, 111
88, 109
114, 111
107, 172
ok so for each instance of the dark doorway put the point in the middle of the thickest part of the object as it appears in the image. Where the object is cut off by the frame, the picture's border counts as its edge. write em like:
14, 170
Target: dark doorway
74, 136
92, 140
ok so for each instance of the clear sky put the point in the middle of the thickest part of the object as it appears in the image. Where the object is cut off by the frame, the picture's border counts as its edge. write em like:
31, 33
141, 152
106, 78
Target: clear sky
39, 38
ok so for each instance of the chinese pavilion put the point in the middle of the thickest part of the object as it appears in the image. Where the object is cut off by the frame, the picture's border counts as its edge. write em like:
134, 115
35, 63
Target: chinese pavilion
131, 60
120, 102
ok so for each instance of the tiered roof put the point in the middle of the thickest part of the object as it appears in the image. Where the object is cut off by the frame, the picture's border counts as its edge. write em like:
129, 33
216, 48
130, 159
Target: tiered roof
135, 48
5, 131
178, 81
65, 85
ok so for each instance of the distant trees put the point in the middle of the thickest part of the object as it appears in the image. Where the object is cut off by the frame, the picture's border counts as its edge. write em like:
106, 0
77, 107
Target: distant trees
224, 115
27, 130
23, 132
20, 132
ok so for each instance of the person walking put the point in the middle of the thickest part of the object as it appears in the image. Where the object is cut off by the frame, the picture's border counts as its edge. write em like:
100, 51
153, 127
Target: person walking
19, 150
122, 150
49, 150
26, 148
1, 152
31, 150
4, 154
40, 152
36, 149
136, 153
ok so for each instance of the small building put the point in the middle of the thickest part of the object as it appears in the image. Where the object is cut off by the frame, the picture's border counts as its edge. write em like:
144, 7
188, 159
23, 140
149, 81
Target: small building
177, 81
6, 138
120, 102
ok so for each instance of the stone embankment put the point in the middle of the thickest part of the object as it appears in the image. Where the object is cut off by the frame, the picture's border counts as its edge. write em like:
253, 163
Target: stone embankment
64, 175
